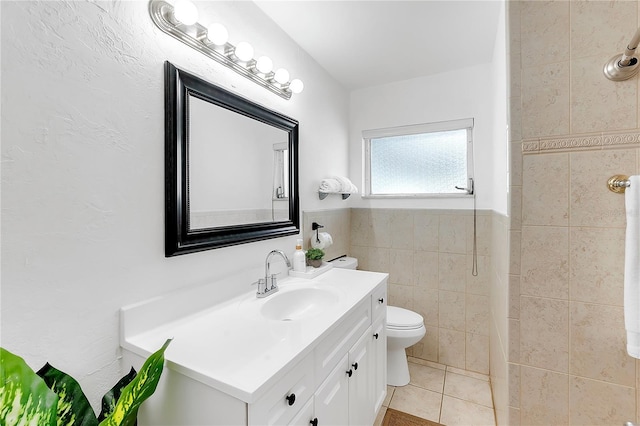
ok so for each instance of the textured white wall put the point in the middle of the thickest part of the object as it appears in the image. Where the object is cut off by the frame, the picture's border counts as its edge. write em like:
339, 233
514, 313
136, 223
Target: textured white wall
83, 169
465, 93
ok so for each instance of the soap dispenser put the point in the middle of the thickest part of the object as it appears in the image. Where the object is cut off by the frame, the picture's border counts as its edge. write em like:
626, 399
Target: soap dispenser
299, 258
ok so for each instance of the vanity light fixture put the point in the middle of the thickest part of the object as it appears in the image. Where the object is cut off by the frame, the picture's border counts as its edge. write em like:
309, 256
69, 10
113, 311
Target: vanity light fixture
181, 22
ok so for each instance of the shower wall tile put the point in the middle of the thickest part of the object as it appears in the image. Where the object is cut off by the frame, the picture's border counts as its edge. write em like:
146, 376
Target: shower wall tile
545, 100
514, 341
545, 32
514, 297
593, 402
426, 227
426, 303
514, 383
400, 295
477, 353
452, 272
545, 261
598, 344
592, 204
402, 235
544, 333
588, 19
515, 207
515, 248
452, 233
449, 315
545, 397
483, 233
481, 283
477, 314
381, 229
401, 266
515, 116
515, 163
451, 348
596, 102
545, 190
425, 269
596, 259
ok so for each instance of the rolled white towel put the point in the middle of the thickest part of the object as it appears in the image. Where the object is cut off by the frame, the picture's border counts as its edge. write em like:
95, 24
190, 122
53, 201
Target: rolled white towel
346, 186
330, 185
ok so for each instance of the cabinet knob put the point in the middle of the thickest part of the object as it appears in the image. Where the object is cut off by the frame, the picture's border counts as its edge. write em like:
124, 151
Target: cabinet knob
314, 422
355, 365
376, 336
291, 399
349, 373
381, 300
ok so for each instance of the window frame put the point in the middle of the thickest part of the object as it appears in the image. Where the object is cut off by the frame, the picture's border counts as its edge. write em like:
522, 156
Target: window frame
441, 126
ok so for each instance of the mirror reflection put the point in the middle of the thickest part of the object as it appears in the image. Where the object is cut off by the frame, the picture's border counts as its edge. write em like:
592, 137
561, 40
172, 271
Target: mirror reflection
238, 168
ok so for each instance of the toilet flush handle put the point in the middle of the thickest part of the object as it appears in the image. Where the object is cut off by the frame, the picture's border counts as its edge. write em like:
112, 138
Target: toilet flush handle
381, 300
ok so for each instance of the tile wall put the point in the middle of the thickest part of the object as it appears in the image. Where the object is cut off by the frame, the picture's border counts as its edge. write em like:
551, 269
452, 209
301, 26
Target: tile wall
428, 255
571, 129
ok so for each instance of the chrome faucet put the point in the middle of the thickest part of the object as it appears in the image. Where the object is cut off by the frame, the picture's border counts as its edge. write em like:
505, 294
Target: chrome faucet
268, 285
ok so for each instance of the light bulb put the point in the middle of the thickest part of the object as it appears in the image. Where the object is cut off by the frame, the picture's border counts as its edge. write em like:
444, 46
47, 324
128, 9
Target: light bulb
185, 12
217, 34
281, 76
296, 85
264, 65
244, 51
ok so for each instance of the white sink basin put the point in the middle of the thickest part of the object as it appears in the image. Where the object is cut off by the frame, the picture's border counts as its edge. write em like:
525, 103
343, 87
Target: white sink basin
298, 303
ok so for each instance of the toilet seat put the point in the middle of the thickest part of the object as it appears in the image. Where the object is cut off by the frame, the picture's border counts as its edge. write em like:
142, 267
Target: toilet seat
403, 319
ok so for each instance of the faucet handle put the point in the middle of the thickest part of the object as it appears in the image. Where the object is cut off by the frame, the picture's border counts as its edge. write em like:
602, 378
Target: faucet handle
262, 284
274, 281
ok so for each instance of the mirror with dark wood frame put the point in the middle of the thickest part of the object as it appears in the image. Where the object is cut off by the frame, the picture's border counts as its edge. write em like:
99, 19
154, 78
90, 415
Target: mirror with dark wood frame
231, 167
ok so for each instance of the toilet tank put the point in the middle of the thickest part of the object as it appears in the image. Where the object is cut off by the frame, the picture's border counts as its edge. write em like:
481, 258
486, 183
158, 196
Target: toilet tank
345, 262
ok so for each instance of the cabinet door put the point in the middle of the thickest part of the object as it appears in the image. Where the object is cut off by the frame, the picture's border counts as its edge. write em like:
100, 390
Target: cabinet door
331, 400
379, 354
304, 416
361, 381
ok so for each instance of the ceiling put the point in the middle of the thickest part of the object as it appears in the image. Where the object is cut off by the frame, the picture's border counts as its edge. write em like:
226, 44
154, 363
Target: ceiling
368, 43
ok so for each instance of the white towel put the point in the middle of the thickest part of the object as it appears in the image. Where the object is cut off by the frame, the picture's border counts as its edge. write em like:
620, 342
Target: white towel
347, 186
330, 185
632, 267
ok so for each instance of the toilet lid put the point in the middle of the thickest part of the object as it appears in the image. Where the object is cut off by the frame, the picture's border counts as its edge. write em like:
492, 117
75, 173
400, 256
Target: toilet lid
400, 318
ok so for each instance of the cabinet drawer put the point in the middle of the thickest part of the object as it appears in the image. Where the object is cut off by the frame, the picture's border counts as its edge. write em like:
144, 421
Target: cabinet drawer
333, 347
379, 302
274, 408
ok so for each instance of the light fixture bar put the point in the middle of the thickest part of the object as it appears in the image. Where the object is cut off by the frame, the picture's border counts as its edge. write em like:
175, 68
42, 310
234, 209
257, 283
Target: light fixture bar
195, 36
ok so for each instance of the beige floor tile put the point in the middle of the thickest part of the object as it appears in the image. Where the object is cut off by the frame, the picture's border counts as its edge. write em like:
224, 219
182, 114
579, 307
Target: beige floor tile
380, 416
426, 362
468, 389
456, 412
468, 373
417, 401
387, 399
426, 377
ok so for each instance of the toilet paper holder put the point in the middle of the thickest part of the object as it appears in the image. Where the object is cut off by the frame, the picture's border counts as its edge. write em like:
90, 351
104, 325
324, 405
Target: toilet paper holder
314, 227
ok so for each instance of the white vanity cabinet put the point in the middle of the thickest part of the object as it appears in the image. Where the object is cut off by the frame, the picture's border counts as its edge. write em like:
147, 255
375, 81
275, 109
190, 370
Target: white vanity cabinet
337, 378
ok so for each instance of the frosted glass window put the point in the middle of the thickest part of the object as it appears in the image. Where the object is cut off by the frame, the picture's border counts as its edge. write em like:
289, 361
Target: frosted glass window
419, 163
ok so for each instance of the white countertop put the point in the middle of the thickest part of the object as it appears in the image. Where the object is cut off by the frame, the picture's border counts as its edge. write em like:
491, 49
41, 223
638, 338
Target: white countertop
232, 347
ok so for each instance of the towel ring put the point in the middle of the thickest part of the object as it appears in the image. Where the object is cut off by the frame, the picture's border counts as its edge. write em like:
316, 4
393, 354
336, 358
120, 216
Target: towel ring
618, 183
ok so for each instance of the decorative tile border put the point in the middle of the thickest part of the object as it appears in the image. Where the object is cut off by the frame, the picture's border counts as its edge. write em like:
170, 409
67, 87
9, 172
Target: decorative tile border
581, 142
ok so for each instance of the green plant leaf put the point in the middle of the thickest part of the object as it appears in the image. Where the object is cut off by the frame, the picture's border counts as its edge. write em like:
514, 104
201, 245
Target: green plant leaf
25, 398
136, 392
110, 398
73, 406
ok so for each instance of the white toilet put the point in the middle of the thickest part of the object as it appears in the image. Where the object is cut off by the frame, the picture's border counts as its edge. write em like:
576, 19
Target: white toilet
404, 328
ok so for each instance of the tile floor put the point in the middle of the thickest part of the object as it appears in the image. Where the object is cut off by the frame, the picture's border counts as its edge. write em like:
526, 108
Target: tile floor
442, 394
